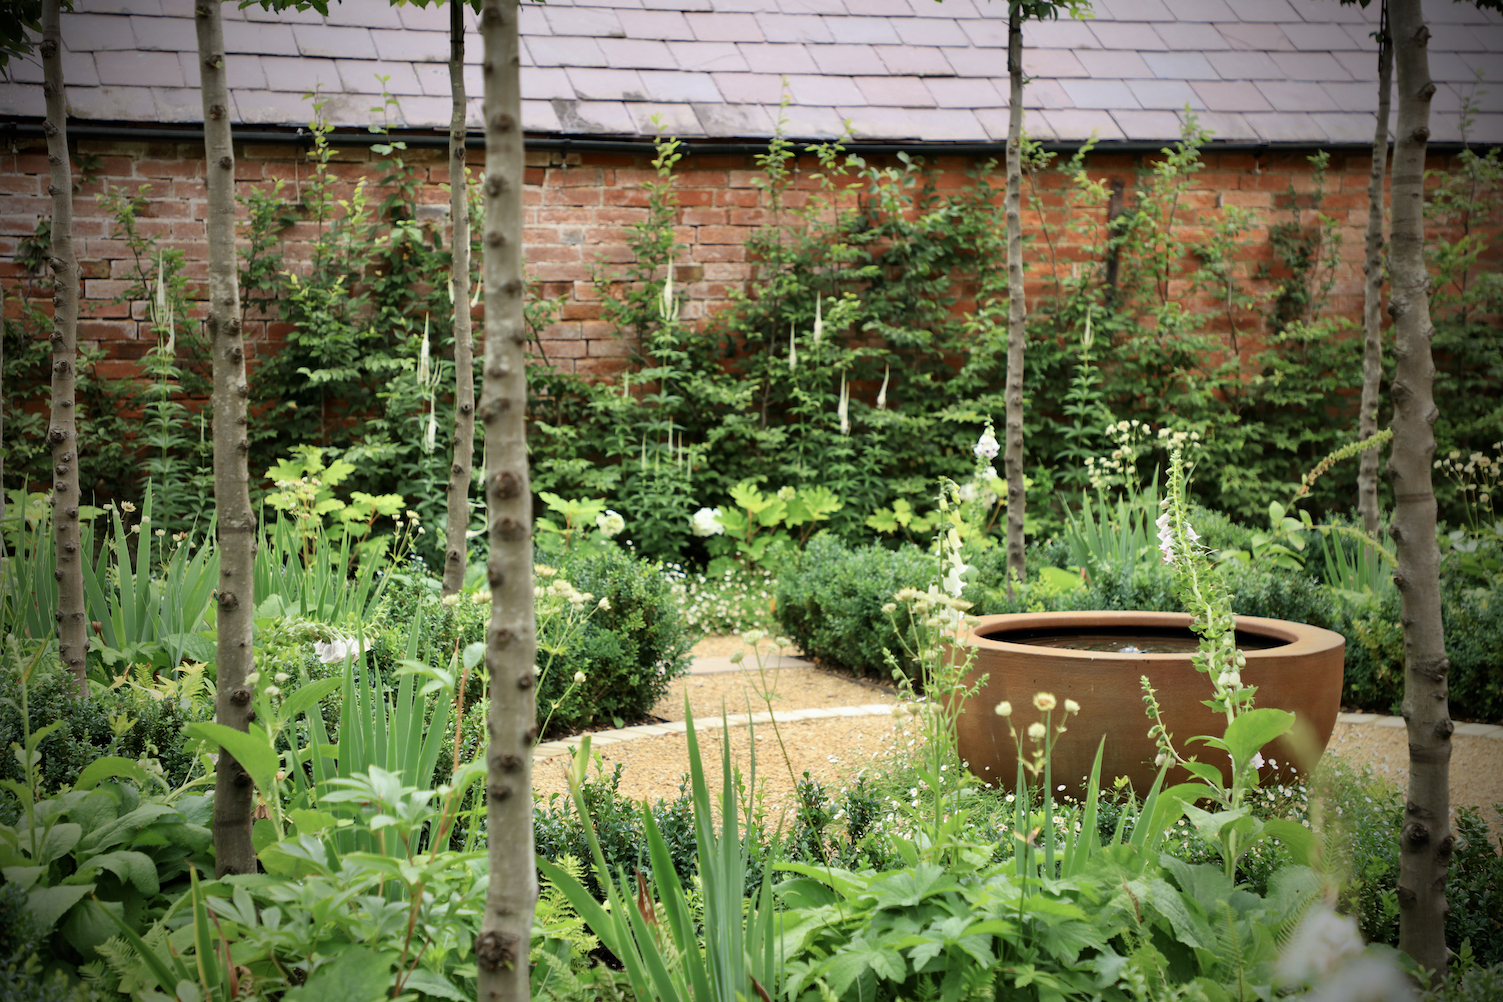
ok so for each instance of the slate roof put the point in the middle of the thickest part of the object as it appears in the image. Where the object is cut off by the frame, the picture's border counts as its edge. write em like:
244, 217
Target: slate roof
1293, 71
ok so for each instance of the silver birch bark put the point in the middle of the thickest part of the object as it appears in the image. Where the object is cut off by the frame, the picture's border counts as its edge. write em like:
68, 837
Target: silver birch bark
1017, 309
1425, 841
455, 545
511, 643
234, 798
1372, 292
62, 430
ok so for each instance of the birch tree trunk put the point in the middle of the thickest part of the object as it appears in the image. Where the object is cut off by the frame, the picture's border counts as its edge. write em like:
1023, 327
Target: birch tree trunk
1425, 842
1017, 309
455, 545
234, 797
1372, 306
511, 644
62, 431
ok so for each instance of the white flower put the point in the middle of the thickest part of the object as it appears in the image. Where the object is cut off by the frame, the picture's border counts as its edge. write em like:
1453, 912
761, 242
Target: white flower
706, 522
1044, 701
337, 650
1071, 706
450, 600
1322, 944
609, 523
579, 678
604, 605
1004, 709
1036, 731
986, 446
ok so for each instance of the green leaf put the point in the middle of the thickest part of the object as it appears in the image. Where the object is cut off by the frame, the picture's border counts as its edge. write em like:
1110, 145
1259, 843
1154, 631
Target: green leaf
429, 983
58, 843
48, 904
250, 749
358, 975
1253, 729
111, 767
134, 868
1299, 839
91, 923
307, 696
263, 834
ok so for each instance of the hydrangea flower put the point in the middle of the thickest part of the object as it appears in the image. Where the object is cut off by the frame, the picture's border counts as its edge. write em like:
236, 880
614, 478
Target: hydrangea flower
706, 522
609, 523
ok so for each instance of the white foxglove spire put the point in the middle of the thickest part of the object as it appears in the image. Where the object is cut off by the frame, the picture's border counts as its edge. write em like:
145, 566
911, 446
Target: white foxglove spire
425, 354
882, 393
792, 348
819, 320
479, 289
843, 409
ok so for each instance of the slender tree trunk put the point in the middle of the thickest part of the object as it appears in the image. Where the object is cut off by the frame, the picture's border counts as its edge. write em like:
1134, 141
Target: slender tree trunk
1425, 841
1372, 306
1017, 308
455, 545
234, 797
501, 950
62, 433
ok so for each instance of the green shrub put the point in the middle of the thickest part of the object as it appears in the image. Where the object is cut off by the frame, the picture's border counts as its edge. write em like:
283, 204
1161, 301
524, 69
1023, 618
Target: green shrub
147, 726
830, 600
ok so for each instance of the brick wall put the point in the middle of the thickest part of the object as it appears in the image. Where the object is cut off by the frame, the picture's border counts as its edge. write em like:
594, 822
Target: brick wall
578, 210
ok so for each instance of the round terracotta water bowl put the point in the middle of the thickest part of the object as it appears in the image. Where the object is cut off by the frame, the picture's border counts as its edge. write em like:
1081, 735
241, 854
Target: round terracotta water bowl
1295, 667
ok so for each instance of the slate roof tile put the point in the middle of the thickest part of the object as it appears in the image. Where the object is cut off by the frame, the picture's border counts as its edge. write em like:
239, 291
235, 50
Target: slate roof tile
377, 15
140, 69
550, 50
1453, 67
864, 30
1164, 95
1301, 66
1292, 95
98, 32
1078, 124
1057, 63
1180, 66
1257, 37
1284, 126
1062, 34
606, 85
683, 5
434, 78
914, 60
750, 88
659, 25
165, 34
1146, 123
1201, 10
584, 21
361, 74
539, 116
1121, 63
131, 7
289, 16
636, 53
930, 31
955, 92
1485, 63
884, 8
1127, 35
1224, 125
1322, 37
301, 75
724, 27
951, 8
834, 7
434, 18
1134, 10
416, 46
706, 57
1361, 65
994, 120
1189, 37
847, 60
178, 104
265, 107
530, 23
113, 104
727, 120
1246, 66
1039, 94
598, 117
768, 58
1345, 127
812, 123
668, 86
542, 84
675, 119
1356, 97
1096, 94
1231, 95
1467, 37
78, 69
817, 91
794, 28
1352, 14
1267, 10
895, 92
336, 42
745, 6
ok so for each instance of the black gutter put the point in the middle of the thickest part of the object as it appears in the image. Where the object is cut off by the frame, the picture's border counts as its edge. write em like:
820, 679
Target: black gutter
568, 144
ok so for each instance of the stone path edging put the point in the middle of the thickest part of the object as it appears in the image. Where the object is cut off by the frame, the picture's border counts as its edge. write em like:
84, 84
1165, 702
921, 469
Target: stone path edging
557, 749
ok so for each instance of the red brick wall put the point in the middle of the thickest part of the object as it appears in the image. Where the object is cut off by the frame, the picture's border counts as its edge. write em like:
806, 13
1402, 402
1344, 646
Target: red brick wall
578, 211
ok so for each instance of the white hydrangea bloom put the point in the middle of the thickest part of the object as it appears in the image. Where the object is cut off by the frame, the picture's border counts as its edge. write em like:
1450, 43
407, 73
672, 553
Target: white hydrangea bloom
706, 522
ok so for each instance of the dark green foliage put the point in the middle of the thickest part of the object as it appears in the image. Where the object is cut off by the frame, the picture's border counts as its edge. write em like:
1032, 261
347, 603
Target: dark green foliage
629, 652
830, 600
22, 947
148, 727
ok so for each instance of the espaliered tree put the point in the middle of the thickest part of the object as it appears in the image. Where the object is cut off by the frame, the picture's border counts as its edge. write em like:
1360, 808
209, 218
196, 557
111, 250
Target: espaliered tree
458, 523
62, 427
1372, 291
1017, 308
511, 643
1425, 841
234, 798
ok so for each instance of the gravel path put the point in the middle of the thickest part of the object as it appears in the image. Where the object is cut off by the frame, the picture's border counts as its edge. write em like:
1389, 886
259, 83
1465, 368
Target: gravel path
834, 749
